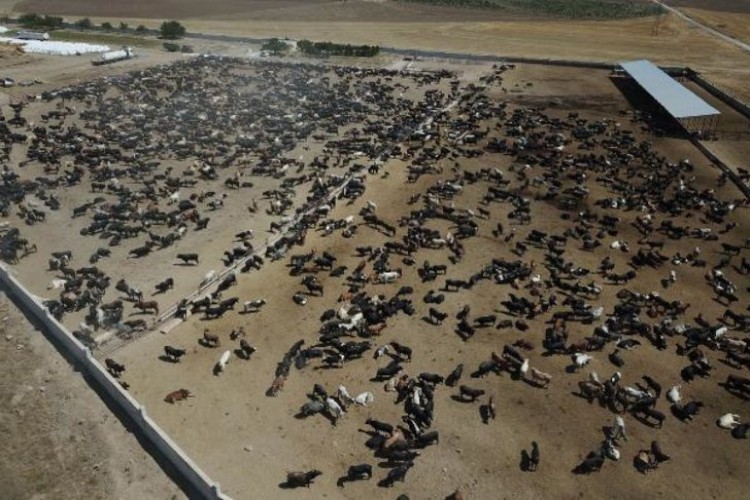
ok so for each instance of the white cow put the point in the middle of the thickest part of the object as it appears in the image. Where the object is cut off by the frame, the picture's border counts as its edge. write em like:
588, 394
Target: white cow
56, 283
611, 451
334, 408
210, 276
253, 305
619, 245
636, 393
416, 396
223, 360
389, 276
673, 394
581, 360
365, 398
728, 421
381, 351
524, 368
344, 396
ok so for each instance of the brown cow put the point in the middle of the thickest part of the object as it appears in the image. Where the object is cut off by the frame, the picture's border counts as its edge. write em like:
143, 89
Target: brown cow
210, 340
177, 395
376, 328
277, 385
147, 306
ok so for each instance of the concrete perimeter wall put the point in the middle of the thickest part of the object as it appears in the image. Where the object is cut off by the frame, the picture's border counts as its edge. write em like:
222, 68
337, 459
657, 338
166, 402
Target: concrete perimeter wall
201, 485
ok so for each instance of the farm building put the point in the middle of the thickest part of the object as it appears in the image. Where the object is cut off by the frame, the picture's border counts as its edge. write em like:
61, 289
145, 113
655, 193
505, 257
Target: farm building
692, 113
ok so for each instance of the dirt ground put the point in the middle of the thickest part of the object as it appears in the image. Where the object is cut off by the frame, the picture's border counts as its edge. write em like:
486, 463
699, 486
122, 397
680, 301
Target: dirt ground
231, 421
248, 441
59, 439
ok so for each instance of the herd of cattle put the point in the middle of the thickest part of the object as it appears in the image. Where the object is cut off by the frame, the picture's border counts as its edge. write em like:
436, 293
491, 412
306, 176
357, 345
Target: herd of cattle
601, 182
161, 149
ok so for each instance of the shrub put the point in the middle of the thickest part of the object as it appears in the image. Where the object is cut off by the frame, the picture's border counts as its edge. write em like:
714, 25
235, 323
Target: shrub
172, 30
84, 24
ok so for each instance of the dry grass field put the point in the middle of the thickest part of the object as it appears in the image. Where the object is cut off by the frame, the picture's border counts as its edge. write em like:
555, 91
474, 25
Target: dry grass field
266, 10
735, 24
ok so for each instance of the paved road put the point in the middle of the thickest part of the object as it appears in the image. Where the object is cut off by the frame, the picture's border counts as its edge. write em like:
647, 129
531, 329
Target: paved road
744, 46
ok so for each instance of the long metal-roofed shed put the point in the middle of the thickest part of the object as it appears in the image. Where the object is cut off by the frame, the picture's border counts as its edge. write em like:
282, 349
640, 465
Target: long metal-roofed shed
693, 113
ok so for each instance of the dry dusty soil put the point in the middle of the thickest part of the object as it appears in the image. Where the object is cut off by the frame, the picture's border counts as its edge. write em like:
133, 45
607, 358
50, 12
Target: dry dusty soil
247, 441
230, 423
59, 439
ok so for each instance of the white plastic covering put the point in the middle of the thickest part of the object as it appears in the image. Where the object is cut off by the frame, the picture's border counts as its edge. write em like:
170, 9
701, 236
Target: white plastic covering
55, 48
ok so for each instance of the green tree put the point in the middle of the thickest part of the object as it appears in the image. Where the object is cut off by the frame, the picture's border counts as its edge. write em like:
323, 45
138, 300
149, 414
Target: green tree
275, 46
36, 21
123, 26
107, 26
29, 20
84, 24
140, 30
171, 30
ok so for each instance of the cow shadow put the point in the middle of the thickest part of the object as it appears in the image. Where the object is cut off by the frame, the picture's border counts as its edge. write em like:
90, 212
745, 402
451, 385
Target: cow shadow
642, 419
286, 486
457, 398
485, 414
167, 359
533, 383
343, 480
525, 464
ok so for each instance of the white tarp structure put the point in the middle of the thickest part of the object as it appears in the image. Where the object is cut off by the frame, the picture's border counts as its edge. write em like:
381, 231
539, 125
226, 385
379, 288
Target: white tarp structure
682, 104
55, 48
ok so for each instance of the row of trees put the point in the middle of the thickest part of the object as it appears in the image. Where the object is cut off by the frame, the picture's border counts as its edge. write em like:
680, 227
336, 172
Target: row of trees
337, 49
86, 24
36, 21
170, 30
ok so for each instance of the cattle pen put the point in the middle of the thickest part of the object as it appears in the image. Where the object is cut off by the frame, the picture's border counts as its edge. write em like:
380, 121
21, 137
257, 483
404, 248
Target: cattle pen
441, 242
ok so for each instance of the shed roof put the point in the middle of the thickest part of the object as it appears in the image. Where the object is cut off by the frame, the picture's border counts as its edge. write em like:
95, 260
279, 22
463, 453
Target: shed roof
668, 92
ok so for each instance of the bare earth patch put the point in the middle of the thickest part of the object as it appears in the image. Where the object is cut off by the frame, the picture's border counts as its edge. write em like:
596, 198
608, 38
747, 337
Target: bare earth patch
59, 439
